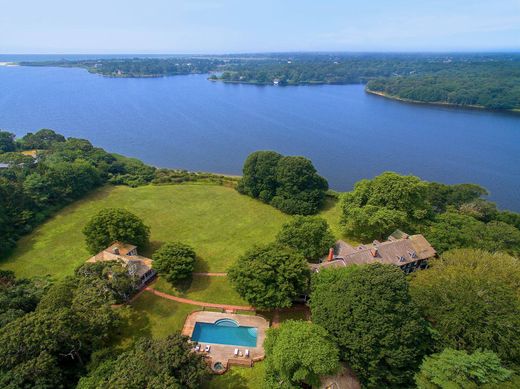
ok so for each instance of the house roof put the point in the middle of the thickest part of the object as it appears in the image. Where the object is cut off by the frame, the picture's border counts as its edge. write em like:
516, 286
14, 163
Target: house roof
395, 251
118, 251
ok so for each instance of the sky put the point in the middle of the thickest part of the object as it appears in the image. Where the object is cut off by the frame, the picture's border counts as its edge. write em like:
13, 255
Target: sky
234, 26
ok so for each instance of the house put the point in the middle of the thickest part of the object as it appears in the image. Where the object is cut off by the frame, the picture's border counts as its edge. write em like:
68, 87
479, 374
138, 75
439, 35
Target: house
127, 254
409, 252
4, 165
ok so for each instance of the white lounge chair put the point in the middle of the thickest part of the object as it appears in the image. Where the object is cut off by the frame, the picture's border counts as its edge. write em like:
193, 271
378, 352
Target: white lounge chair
247, 353
207, 348
236, 352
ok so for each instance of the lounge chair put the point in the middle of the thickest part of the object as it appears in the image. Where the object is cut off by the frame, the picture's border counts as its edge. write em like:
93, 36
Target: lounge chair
207, 348
247, 353
236, 352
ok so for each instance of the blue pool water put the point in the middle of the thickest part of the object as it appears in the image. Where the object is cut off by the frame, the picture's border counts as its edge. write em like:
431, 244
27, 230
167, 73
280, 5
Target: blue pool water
225, 331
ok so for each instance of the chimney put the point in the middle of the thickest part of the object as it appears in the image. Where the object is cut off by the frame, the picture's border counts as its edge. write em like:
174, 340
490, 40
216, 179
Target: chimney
331, 254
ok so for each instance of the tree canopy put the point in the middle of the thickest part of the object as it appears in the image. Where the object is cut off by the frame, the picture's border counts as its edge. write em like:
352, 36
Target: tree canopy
471, 299
174, 261
115, 224
270, 276
371, 317
458, 369
298, 352
164, 364
308, 235
290, 184
7, 141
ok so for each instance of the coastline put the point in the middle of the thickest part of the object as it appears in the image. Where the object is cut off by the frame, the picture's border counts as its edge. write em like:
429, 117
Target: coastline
439, 103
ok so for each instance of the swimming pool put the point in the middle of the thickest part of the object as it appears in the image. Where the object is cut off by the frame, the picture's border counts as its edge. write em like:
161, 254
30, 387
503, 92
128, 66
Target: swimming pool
225, 331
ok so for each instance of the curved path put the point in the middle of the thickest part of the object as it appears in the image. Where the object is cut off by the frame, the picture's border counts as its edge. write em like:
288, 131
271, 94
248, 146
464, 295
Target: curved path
199, 303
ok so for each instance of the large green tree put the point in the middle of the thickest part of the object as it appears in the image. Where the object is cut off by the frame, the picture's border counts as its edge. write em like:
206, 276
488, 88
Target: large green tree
290, 184
42, 139
174, 261
471, 298
112, 224
162, 364
375, 208
299, 352
300, 190
259, 175
270, 276
370, 315
7, 141
308, 235
458, 369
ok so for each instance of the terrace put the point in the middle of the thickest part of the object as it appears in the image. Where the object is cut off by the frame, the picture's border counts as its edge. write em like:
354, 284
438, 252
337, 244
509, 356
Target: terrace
232, 339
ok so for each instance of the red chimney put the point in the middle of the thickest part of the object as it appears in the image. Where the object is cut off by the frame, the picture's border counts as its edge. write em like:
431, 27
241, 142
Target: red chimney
331, 254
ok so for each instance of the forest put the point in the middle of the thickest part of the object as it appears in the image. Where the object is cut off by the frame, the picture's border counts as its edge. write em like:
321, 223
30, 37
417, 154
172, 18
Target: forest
490, 81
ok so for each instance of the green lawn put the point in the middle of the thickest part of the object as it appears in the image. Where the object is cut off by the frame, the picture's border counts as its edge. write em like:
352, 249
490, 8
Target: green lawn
239, 377
209, 289
153, 317
216, 220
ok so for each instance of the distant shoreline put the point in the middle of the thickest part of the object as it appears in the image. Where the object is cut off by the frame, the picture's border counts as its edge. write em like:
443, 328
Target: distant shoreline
438, 103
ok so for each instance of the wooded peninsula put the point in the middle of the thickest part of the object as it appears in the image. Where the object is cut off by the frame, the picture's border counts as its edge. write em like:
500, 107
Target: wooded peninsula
490, 81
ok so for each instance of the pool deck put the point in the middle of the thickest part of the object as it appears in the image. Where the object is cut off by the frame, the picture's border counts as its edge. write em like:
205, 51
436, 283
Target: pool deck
226, 353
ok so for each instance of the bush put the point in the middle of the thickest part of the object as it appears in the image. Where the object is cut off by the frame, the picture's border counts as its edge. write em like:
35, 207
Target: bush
115, 224
174, 261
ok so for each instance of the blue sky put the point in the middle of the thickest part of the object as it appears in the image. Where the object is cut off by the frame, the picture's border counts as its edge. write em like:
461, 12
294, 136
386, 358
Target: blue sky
229, 26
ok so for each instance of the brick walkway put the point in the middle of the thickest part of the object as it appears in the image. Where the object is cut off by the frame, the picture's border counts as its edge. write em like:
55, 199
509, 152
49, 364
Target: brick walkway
211, 274
199, 303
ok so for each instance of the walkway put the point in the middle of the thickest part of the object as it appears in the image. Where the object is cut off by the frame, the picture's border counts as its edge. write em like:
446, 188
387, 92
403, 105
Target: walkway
199, 303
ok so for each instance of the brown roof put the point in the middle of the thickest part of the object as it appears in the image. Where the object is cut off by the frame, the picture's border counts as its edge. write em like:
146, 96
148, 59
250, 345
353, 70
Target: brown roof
395, 251
137, 264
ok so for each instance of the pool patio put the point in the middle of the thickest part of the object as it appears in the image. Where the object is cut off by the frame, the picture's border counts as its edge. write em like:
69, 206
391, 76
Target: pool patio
223, 353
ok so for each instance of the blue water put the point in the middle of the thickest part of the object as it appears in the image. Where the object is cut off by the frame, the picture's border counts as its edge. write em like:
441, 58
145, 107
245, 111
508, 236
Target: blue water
224, 332
189, 122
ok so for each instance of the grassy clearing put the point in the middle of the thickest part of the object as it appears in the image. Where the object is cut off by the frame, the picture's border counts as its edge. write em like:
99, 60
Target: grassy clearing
217, 221
201, 288
153, 317
239, 377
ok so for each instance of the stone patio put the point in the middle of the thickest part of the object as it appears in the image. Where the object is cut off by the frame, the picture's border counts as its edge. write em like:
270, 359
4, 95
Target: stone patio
225, 353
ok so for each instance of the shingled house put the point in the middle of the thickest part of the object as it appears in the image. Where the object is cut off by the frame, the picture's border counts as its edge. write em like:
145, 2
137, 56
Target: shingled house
409, 252
127, 255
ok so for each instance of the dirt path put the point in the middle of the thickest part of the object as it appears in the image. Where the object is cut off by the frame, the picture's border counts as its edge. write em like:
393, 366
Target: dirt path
199, 303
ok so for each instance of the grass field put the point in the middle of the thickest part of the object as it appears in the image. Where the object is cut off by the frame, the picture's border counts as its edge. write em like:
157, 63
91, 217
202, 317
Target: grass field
217, 221
201, 288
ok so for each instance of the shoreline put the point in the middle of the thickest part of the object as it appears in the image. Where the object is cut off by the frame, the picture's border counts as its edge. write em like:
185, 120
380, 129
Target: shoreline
439, 103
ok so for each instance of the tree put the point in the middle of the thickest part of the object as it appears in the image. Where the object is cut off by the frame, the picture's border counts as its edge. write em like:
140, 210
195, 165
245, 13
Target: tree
300, 190
471, 298
453, 230
375, 208
299, 352
369, 313
458, 369
42, 139
115, 224
373, 222
290, 184
174, 261
308, 235
259, 175
7, 141
163, 364
270, 276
